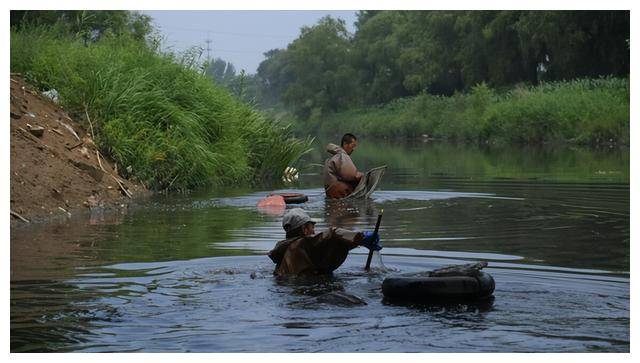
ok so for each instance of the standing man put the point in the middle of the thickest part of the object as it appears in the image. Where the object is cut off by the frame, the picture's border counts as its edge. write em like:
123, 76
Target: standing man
340, 174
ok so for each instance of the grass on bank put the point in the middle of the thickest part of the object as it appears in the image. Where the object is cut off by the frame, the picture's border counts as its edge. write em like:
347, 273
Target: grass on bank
584, 111
156, 113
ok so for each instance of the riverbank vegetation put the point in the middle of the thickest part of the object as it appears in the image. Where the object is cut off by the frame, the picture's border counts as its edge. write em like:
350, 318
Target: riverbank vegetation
586, 111
157, 115
517, 76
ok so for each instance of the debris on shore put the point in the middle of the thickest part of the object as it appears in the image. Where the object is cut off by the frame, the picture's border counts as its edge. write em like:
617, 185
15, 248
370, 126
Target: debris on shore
56, 168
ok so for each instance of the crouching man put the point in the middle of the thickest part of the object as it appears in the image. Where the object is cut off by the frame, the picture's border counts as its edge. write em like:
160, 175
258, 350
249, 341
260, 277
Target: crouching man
304, 252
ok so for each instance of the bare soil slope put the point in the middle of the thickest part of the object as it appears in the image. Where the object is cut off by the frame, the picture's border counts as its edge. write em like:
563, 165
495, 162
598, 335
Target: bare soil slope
55, 166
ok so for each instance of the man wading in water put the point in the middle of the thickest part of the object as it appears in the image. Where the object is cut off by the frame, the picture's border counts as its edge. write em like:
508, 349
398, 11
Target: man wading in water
304, 252
340, 174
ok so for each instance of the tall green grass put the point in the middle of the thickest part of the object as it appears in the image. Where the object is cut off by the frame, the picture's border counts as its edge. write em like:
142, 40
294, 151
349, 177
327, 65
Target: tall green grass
155, 113
585, 111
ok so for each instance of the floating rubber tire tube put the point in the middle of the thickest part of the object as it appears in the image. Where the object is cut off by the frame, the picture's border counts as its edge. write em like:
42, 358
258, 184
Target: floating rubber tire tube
293, 198
439, 288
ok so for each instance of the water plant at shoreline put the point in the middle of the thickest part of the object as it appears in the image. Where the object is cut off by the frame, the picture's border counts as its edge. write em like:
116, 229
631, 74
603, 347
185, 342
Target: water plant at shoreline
583, 111
156, 115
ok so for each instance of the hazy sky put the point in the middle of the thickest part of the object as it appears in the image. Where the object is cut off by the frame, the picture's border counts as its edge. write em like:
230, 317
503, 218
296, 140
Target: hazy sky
240, 37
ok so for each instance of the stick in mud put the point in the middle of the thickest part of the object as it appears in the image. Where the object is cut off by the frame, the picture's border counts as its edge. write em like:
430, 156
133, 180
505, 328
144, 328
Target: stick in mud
124, 190
74, 146
86, 112
19, 216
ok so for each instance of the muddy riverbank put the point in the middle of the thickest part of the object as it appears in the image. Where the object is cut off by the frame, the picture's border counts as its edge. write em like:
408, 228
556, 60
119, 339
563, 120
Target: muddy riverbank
56, 169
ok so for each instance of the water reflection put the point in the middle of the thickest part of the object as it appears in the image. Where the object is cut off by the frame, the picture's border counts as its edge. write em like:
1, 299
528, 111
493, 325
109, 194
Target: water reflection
351, 214
553, 224
474, 306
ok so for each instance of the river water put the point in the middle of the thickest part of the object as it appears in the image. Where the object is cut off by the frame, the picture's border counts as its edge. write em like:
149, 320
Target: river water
188, 273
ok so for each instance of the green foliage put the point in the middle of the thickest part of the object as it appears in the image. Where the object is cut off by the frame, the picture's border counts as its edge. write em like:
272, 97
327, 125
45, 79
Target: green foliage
156, 113
317, 60
221, 71
274, 77
586, 111
90, 25
395, 54
312, 76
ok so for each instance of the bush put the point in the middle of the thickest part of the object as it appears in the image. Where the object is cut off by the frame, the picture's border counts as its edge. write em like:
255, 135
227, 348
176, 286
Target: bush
585, 111
156, 113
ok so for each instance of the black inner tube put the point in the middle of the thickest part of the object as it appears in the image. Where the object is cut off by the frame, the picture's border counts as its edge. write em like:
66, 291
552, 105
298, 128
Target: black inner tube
439, 288
295, 199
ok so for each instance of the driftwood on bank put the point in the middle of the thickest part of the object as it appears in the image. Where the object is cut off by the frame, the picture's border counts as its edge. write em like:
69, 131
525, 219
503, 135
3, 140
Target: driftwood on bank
19, 216
125, 191
74, 146
122, 187
93, 136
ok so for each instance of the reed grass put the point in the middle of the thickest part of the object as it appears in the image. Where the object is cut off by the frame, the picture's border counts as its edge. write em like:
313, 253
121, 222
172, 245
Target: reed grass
583, 111
156, 114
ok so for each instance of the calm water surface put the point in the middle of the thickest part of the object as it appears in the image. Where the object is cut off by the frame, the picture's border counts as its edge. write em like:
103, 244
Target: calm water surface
188, 273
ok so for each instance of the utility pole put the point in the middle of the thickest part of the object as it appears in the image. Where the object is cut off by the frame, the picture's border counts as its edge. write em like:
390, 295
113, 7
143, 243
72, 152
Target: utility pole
208, 41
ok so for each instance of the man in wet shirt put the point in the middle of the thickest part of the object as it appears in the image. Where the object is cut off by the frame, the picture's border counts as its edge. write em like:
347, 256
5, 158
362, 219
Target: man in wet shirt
304, 252
340, 174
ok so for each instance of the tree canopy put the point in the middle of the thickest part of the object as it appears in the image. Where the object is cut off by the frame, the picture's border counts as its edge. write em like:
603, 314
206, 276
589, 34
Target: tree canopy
395, 54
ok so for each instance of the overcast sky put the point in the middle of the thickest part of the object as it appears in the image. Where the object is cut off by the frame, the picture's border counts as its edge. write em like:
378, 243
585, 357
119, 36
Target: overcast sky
240, 37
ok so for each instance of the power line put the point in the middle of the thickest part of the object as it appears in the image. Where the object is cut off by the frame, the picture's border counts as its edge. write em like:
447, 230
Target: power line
175, 45
227, 33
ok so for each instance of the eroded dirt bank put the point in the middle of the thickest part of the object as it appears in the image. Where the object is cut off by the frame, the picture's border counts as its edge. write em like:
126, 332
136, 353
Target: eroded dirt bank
56, 169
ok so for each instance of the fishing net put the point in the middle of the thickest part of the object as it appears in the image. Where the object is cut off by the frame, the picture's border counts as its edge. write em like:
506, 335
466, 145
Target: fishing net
368, 184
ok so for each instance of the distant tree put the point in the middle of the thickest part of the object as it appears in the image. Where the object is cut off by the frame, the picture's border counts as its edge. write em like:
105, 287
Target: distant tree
570, 44
273, 77
221, 71
322, 78
376, 56
402, 53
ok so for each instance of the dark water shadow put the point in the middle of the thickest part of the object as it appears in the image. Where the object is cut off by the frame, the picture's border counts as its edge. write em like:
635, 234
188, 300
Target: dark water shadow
312, 286
438, 306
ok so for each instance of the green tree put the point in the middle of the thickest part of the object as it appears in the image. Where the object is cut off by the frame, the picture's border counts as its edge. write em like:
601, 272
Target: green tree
221, 71
273, 77
571, 44
322, 78
396, 54
376, 56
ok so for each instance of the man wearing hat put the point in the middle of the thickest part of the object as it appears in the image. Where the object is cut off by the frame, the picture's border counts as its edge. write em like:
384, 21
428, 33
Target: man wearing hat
304, 252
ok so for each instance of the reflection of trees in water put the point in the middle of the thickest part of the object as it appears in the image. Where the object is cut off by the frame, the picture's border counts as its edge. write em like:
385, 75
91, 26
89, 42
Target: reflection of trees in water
51, 313
155, 234
412, 161
351, 214
53, 316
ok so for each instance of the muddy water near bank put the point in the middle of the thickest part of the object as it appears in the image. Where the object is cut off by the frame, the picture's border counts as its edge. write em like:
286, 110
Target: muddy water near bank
189, 274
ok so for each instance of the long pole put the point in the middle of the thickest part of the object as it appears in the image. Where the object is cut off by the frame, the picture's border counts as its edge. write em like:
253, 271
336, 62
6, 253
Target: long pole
375, 231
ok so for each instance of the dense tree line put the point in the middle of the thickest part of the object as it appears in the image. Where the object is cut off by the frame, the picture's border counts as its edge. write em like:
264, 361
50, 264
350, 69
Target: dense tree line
395, 54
